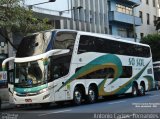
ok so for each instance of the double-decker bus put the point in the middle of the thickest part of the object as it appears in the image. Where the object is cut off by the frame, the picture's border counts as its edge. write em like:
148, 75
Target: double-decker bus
156, 68
67, 65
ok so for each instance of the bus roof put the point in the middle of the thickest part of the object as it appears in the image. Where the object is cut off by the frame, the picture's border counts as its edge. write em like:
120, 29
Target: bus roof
111, 37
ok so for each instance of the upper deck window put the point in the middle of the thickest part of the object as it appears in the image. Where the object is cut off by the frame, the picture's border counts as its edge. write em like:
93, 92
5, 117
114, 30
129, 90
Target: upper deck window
97, 44
42, 42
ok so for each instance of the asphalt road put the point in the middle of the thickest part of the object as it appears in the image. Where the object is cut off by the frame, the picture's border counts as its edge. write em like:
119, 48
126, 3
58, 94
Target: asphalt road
147, 106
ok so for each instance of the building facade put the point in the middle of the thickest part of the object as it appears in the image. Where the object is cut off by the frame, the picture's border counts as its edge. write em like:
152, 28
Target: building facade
148, 11
122, 18
92, 17
125, 18
83, 15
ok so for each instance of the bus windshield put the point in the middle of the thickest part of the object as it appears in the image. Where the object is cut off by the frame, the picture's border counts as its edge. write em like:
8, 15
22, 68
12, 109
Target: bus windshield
30, 74
34, 44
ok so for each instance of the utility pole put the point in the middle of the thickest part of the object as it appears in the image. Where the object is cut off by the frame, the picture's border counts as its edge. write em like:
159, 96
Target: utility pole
30, 6
134, 26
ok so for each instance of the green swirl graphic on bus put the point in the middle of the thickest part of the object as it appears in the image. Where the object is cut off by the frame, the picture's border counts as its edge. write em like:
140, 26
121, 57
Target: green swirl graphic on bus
102, 62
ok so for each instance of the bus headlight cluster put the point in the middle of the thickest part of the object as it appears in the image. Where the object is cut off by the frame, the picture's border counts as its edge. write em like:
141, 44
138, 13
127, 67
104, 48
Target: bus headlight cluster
43, 90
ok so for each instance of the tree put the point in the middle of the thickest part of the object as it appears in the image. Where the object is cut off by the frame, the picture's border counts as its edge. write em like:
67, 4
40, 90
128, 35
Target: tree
154, 42
15, 17
157, 23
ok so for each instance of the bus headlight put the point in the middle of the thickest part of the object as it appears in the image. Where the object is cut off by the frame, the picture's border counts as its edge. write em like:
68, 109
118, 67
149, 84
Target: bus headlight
43, 90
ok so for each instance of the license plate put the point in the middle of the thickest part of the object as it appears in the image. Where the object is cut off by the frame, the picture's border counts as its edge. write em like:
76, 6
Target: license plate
28, 100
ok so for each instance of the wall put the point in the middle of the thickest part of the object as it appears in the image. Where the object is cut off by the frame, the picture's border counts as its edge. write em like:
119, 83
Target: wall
153, 11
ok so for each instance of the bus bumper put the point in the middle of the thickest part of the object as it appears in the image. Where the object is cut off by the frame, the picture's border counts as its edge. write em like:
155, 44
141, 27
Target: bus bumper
34, 99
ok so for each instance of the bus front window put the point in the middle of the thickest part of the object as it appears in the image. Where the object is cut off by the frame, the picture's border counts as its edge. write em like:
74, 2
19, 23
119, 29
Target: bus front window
30, 74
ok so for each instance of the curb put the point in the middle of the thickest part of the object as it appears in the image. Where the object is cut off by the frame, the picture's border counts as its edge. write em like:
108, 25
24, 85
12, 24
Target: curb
6, 105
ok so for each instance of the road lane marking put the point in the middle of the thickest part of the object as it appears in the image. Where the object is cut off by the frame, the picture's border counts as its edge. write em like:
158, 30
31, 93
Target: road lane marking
54, 112
116, 102
153, 96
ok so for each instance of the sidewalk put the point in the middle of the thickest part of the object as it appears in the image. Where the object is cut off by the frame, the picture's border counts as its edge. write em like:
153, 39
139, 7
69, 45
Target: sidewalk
6, 105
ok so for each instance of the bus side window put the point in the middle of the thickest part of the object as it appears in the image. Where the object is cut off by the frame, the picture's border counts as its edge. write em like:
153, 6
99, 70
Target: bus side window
59, 66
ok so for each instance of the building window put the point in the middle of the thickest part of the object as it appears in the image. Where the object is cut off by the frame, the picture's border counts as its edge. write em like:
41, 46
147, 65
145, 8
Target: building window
148, 19
141, 35
122, 32
147, 2
154, 3
91, 17
155, 18
110, 29
141, 15
123, 9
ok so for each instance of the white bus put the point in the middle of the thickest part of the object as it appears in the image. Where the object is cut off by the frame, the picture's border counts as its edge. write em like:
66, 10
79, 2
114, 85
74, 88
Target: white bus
156, 68
66, 65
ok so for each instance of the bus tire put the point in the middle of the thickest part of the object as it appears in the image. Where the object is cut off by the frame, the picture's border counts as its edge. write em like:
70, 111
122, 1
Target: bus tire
77, 96
142, 90
92, 95
134, 90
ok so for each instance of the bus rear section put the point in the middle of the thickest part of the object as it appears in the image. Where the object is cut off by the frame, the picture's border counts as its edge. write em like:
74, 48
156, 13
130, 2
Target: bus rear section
156, 68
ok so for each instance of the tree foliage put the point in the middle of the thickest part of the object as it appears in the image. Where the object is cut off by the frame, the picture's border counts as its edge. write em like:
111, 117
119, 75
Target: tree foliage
15, 17
154, 42
157, 23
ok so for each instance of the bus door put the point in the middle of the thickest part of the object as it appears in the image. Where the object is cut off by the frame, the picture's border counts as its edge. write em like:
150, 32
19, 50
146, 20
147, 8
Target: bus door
58, 72
60, 94
11, 85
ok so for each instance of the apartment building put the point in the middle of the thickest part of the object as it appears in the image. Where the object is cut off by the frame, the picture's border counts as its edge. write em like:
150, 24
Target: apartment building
125, 18
148, 11
122, 18
92, 15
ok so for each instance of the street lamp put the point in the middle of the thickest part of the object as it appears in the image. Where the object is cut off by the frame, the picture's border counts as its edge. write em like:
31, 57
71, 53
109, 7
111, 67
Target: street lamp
134, 27
61, 12
30, 6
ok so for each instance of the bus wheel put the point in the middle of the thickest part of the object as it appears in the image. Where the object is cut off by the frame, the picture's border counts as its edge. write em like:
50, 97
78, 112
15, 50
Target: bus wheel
142, 90
77, 96
92, 95
134, 90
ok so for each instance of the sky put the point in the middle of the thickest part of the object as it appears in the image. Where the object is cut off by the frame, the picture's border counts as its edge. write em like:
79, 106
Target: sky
52, 8
58, 5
